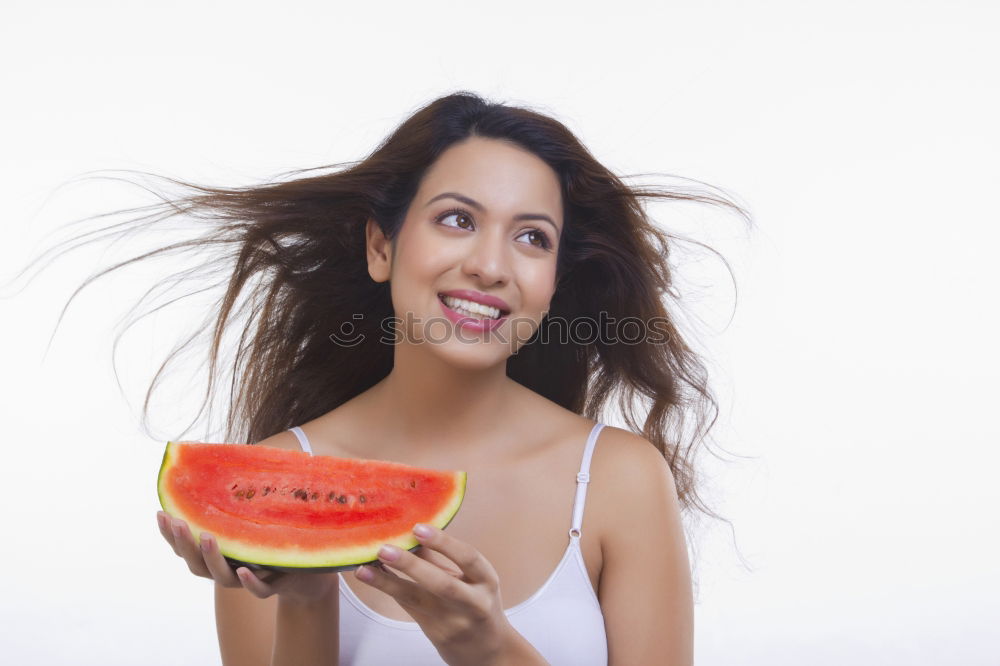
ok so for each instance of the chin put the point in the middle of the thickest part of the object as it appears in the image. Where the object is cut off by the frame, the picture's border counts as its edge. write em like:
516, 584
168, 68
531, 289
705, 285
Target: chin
473, 356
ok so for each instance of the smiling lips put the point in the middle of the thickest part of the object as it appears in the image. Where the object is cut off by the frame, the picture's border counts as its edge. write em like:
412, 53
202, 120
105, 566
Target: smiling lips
478, 297
473, 310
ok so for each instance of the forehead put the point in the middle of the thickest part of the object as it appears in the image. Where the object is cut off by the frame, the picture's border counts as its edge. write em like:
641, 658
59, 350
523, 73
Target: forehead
498, 174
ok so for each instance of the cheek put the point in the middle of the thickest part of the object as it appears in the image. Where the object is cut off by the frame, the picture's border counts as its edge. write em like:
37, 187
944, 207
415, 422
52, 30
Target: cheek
422, 252
539, 286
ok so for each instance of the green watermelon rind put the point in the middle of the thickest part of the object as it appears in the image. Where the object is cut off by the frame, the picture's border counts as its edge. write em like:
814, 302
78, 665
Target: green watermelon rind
241, 554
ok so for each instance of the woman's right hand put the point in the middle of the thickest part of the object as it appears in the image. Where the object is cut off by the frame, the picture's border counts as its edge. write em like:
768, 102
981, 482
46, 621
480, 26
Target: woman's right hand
204, 559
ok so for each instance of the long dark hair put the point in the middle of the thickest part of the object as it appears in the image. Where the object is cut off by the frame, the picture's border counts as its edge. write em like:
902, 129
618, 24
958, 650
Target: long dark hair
296, 247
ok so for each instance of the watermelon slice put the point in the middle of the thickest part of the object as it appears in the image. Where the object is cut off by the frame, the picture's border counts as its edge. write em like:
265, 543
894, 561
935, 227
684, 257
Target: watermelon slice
290, 511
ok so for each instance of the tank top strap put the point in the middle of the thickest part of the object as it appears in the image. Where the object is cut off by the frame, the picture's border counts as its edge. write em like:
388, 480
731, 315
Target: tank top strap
582, 479
303, 440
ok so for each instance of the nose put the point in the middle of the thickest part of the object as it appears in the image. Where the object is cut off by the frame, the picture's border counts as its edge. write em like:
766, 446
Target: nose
489, 259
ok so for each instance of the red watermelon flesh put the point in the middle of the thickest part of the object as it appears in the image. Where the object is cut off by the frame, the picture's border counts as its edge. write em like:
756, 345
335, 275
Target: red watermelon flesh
289, 510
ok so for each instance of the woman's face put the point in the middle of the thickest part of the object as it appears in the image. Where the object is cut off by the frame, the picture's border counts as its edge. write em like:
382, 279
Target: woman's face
482, 229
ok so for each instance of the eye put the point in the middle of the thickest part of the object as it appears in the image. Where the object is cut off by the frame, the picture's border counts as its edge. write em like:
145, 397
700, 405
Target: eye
458, 218
540, 238
462, 219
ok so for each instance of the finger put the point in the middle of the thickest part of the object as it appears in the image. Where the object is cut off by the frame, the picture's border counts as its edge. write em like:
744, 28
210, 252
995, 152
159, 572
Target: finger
254, 585
427, 575
276, 579
439, 560
405, 592
475, 568
216, 562
163, 522
187, 548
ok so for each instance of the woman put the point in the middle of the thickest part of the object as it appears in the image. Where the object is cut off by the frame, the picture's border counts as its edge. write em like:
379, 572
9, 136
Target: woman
486, 234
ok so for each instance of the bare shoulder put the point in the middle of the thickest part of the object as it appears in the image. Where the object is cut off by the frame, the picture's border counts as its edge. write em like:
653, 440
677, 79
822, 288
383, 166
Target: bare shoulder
281, 440
630, 464
629, 471
645, 587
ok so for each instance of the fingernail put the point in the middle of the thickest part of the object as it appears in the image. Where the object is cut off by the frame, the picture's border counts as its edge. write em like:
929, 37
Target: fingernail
365, 574
206, 542
389, 552
422, 530
176, 529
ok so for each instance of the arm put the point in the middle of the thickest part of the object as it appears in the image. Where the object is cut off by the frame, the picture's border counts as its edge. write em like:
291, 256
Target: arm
259, 625
645, 586
517, 651
307, 633
276, 630
245, 625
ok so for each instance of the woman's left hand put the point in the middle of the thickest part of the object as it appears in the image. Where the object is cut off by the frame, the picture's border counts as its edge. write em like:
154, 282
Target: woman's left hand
460, 611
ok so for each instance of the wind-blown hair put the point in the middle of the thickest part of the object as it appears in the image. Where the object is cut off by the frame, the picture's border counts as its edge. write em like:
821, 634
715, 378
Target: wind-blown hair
296, 247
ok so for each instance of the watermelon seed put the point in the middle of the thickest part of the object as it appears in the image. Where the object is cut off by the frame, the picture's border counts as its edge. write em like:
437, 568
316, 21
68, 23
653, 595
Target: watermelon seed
267, 489
342, 499
413, 484
314, 496
301, 494
362, 499
331, 497
250, 493
234, 486
239, 494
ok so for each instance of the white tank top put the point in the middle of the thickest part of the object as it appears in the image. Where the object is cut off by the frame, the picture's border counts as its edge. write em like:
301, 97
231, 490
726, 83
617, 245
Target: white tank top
562, 619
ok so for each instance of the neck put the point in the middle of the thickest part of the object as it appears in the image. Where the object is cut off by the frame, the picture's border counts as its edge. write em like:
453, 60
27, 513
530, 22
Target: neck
433, 410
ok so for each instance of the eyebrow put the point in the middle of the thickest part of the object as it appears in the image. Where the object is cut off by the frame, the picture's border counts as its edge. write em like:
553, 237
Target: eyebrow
478, 206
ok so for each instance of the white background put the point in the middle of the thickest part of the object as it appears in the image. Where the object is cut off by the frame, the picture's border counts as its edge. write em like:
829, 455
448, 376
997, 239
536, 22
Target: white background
858, 376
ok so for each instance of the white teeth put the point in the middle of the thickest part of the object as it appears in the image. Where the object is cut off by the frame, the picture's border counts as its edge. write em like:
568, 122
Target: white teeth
471, 308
